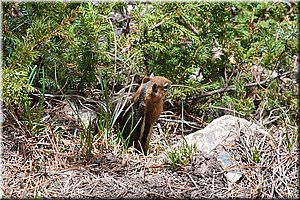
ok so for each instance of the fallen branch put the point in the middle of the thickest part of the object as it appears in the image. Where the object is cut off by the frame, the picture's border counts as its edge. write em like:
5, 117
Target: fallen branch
233, 88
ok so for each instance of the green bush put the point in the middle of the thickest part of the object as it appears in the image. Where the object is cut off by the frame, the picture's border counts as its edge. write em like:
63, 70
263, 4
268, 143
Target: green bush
205, 46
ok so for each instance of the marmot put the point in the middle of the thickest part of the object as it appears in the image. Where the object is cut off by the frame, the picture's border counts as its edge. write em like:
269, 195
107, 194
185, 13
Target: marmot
145, 108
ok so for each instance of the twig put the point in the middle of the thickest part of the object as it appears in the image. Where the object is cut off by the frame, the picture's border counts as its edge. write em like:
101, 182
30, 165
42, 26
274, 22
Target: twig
178, 121
13, 114
226, 89
229, 110
160, 23
265, 11
233, 88
192, 180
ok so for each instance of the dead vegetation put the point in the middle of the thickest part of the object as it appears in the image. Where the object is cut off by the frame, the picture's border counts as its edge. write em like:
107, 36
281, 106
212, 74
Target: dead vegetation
52, 164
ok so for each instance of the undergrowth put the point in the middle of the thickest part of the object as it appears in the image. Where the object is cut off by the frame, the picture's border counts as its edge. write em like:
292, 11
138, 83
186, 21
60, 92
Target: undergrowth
222, 58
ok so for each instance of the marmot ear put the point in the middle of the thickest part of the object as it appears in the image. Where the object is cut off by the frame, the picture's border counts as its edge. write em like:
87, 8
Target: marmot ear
146, 79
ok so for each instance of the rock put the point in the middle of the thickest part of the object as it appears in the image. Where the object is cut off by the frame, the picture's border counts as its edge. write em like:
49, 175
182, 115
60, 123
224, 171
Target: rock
203, 169
82, 115
223, 130
226, 160
233, 176
1, 193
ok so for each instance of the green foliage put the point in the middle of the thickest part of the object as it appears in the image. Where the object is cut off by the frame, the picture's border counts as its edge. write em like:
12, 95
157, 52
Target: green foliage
87, 139
255, 156
15, 85
180, 156
70, 47
73, 40
184, 153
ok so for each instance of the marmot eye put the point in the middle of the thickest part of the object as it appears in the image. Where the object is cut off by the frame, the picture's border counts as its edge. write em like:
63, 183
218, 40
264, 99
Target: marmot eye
166, 86
154, 88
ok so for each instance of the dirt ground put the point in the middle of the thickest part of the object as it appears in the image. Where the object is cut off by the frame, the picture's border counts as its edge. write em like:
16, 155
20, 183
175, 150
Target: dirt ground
51, 165
121, 176
32, 169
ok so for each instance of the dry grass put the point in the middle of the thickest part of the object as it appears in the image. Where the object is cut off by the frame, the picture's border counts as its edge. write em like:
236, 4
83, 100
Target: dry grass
274, 172
51, 164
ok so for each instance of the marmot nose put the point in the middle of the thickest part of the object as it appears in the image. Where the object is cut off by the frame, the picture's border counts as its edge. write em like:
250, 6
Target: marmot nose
160, 95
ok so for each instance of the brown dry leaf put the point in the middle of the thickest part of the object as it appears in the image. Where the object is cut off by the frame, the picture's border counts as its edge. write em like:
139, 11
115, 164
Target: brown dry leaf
217, 53
232, 60
67, 142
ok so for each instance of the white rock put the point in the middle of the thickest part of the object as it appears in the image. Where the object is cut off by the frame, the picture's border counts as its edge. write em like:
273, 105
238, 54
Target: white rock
82, 115
223, 130
233, 176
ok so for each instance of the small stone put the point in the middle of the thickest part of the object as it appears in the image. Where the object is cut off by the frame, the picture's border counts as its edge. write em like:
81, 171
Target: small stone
110, 157
226, 160
99, 160
233, 176
203, 169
